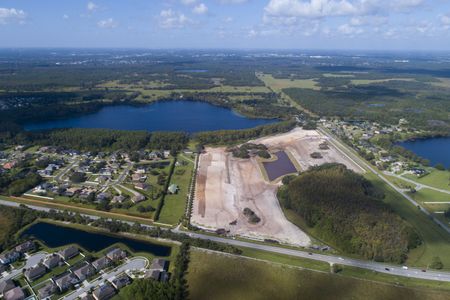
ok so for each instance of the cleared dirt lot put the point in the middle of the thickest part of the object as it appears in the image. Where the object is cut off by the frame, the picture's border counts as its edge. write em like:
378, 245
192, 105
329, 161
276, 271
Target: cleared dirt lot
227, 185
301, 143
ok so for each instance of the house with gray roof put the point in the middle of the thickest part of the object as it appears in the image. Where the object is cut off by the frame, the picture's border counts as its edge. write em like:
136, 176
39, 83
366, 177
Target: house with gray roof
101, 263
104, 292
159, 264
52, 261
35, 272
120, 281
116, 254
5, 286
26, 247
66, 281
84, 272
69, 252
47, 291
14, 294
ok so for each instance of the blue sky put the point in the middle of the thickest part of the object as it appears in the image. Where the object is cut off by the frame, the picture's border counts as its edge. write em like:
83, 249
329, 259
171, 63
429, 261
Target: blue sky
291, 24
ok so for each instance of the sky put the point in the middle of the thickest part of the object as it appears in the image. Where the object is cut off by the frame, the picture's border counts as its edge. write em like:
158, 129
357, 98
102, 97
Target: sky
235, 24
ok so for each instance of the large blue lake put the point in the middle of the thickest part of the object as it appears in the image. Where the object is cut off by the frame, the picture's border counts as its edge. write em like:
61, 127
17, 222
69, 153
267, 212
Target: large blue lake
436, 150
188, 116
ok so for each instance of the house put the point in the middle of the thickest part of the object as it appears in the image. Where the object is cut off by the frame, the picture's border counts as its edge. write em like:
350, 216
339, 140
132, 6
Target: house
141, 186
159, 264
70, 192
152, 274
138, 177
34, 273
103, 196
14, 294
2, 269
116, 254
9, 165
66, 281
86, 296
5, 286
120, 281
137, 198
26, 247
47, 291
104, 292
141, 170
52, 261
118, 199
68, 252
101, 263
173, 188
9, 257
84, 272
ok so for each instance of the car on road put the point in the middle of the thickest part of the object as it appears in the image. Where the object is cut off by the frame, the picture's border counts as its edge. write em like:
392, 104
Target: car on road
405, 268
423, 270
387, 269
310, 253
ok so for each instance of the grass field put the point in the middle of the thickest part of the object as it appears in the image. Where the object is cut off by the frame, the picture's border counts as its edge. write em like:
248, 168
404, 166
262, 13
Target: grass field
436, 178
279, 84
175, 205
427, 195
223, 277
372, 81
436, 242
5, 226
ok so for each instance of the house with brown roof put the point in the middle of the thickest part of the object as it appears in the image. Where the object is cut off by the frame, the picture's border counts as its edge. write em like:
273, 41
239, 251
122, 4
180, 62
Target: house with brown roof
47, 291
69, 252
52, 261
66, 281
14, 294
116, 254
120, 281
101, 263
5, 286
84, 272
26, 247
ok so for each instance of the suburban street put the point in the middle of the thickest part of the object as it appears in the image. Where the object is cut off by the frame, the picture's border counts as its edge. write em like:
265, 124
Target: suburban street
332, 259
31, 261
136, 263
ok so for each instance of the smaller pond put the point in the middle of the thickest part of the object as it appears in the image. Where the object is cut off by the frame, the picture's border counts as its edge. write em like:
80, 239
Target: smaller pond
280, 167
57, 236
436, 150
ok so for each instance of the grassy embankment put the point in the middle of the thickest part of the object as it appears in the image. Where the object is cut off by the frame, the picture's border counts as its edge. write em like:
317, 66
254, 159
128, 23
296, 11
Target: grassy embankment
175, 204
250, 279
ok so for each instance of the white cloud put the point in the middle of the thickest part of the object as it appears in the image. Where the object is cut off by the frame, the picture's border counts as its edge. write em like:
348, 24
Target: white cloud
8, 15
311, 9
188, 2
65, 17
169, 19
200, 9
91, 6
233, 1
445, 19
107, 23
349, 30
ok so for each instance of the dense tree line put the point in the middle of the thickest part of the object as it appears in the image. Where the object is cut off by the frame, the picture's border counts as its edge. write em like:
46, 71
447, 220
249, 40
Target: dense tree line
346, 210
15, 219
234, 136
15, 184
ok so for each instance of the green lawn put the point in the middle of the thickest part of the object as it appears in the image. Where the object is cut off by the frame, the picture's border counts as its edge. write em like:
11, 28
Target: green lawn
436, 242
436, 178
175, 205
214, 276
427, 195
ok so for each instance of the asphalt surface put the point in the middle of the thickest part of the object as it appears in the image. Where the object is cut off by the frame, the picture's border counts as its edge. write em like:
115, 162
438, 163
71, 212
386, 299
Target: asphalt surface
33, 260
331, 259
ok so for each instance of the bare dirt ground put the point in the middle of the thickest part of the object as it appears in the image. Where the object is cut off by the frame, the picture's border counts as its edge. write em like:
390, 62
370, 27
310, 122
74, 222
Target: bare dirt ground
301, 143
226, 185
233, 184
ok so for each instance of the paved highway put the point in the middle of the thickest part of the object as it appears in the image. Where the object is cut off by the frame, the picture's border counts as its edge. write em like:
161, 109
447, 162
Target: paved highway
332, 259
344, 149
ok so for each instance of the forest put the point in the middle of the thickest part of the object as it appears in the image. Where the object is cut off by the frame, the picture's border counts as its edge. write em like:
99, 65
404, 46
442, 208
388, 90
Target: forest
346, 210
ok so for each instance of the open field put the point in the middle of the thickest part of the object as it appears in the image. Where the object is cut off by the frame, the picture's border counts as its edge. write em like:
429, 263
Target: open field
436, 178
237, 278
5, 225
372, 81
175, 204
279, 84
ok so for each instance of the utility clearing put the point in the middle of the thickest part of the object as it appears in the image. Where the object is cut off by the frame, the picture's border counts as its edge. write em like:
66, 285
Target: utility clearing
228, 188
